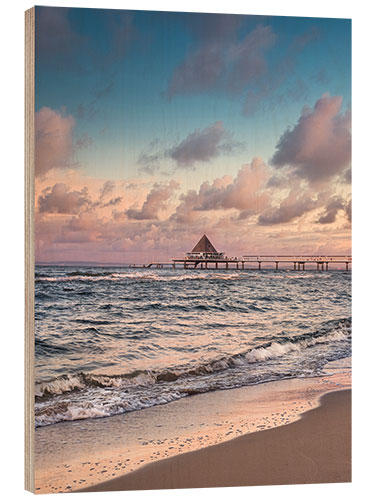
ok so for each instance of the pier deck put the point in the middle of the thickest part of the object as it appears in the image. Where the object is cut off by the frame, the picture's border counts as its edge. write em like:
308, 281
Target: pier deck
299, 262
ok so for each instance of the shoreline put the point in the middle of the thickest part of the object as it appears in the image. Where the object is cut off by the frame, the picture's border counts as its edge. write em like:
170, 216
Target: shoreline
314, 449
73, 455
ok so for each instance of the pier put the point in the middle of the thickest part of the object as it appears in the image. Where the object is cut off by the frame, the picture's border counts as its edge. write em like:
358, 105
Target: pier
299, 263
205, 256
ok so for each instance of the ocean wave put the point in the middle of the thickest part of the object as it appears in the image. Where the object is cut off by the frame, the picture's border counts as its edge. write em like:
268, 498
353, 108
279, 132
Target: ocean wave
88, 273
146, 275
84, 395
78, 381
65, 411
271, 350
277, 349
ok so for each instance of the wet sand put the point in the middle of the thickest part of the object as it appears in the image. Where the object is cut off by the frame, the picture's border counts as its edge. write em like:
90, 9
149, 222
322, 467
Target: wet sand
315, 449
74, 455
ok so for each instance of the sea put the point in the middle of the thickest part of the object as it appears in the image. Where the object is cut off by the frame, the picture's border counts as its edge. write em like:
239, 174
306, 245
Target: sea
111, 340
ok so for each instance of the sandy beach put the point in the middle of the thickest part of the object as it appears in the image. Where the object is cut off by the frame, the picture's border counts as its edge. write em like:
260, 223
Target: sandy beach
121, 452
315, 449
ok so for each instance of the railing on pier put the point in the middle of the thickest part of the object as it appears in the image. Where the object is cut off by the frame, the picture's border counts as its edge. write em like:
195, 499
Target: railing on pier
296, 258
298, 261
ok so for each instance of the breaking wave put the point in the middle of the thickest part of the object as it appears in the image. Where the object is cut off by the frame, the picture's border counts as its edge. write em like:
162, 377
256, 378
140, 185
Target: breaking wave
140, 275
87, 395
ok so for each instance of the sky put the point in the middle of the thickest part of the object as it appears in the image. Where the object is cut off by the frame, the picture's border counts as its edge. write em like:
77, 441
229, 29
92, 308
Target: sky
153, 128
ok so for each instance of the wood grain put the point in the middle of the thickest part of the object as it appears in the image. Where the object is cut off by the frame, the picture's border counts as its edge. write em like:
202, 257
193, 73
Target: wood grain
29, 245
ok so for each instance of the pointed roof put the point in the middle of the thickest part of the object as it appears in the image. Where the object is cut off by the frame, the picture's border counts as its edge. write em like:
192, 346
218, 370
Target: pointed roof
204, 245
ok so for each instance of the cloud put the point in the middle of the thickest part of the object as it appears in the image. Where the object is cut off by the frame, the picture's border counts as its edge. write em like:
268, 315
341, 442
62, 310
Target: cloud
222, 62
319, 145
59, 44
101, 92
333, 206
238, 212
107, 189
84, 142
55, 39
263, 91
53, 140
120, 25
248, 57
149, 162
87, 111
199, 146
113, 202
208, 27
296, 92
224, 58
293, 206
347, 177
244, 193
311, 34
156, 201
348, 210
200, 71
321, 77
83, 228
149, 159
203, 145
59, 199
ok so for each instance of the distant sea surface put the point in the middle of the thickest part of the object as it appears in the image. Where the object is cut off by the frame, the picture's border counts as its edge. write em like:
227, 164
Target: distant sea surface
109, 340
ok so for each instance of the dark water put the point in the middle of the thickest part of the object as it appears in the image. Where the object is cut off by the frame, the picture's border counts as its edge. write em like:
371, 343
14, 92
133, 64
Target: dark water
112, 340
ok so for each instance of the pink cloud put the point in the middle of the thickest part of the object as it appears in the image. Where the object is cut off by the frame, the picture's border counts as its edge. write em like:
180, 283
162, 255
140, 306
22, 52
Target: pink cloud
156, 201
319, 146
86, 226
296, 204
59, 199
241, 214
332, 208
53, 140
246, 192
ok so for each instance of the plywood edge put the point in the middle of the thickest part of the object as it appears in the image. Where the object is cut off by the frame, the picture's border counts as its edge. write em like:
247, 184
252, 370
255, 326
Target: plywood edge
29, 245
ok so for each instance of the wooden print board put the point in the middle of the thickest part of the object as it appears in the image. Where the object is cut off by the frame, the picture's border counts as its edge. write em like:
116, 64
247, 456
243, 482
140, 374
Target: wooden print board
188, 250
